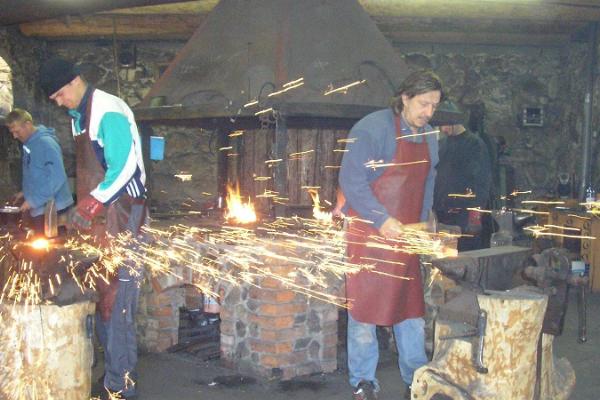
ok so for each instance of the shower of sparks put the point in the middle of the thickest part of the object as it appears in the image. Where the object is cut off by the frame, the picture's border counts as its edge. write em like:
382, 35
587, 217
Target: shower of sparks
262, 178
225, 148
274, 161
183, 177
265, 111
433, 132
544, 231
343, 89
208, 259
236, 133
516, 193
300, 155
380, 164
288, 86
293, 83
593, 207
251, 103
333, 166
468, 195
349, 140
526, 211
478, 209
542, 202
267, 194
578, 216
564, 228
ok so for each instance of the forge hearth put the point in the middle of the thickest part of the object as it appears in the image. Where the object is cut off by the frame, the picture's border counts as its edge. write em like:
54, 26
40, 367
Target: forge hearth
267, 328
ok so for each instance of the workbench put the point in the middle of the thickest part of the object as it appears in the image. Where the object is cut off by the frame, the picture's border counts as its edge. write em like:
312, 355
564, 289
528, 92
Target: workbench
589, 249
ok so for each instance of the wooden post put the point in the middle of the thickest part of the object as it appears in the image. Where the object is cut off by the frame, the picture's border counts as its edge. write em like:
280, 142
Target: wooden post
513, 329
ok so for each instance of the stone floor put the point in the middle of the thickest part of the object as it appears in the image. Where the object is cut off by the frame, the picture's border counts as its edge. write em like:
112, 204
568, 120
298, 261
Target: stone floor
168, 376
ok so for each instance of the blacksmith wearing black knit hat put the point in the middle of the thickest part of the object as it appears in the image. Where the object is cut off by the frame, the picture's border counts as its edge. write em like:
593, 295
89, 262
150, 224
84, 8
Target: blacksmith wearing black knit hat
56, 73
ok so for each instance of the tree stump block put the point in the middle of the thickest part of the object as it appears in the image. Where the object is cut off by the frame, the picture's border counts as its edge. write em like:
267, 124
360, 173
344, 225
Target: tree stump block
514, 323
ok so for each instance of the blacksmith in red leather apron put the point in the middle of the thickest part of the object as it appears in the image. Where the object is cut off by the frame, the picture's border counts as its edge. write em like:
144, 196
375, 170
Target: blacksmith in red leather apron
117, 303
401, 194
61, 81
390, 292
383, 298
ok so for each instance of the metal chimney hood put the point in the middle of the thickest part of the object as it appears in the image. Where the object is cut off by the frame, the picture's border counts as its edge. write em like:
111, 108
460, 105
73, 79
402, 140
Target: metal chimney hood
321, 58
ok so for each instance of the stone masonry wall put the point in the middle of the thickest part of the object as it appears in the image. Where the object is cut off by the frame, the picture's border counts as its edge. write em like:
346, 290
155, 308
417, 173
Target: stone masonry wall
502, 80
270, 331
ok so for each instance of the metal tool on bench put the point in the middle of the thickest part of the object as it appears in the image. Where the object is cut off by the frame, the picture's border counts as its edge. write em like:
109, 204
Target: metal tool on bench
478, 333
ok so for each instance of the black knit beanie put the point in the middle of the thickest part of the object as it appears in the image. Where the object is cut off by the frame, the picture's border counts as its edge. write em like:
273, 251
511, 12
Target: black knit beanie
56, 73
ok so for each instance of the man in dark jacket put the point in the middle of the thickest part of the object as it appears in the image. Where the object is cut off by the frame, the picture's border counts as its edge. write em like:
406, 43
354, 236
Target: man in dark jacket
463, 176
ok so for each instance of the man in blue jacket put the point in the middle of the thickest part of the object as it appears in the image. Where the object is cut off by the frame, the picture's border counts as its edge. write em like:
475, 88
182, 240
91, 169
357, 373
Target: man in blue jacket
387, 176
44, 176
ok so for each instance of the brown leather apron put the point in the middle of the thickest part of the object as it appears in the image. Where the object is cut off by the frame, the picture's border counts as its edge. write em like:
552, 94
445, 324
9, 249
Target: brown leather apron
376, 298
89, 174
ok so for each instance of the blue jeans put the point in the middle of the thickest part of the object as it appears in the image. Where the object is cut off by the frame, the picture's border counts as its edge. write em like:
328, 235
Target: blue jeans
118, 337
363, 349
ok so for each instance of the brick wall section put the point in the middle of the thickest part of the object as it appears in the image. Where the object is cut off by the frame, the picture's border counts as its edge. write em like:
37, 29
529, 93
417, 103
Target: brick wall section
273, 332
267, 329
158, 318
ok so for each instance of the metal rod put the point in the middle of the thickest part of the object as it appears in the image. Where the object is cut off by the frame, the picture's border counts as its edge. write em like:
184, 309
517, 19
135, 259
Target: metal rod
586, 163
279, 152
582, 311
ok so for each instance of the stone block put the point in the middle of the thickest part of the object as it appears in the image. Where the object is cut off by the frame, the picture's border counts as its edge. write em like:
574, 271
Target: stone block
272, 322
270, 295
227, 341
280, 309
329, 353
261, 346
282, 334
271, 283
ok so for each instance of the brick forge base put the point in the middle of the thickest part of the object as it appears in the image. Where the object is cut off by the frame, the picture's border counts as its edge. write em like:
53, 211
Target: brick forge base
272, 332
267, 330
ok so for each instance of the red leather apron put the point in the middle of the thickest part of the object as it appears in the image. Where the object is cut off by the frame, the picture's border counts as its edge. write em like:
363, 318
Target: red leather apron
375, 298
89, 174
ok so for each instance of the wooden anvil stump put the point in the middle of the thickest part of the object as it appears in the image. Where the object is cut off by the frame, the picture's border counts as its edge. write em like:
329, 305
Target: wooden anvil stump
510, 355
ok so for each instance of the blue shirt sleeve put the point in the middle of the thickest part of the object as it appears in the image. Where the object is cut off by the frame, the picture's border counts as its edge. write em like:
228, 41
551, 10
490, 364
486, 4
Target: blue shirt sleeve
48, 173
354, 177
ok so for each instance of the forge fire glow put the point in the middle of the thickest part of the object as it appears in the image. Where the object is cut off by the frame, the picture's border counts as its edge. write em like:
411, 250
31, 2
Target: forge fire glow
40, 244
237, 210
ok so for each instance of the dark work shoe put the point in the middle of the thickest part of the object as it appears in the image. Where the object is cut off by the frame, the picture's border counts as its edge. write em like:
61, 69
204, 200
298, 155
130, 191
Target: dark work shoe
365, 390
408, 392
114, 396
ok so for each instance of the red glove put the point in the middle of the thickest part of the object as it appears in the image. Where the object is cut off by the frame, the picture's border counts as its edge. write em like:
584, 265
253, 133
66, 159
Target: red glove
87, 208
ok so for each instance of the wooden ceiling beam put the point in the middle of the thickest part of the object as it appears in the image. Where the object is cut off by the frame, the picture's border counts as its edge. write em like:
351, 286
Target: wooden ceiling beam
121, 26
17, 11
387, 24
478, 38
546, 10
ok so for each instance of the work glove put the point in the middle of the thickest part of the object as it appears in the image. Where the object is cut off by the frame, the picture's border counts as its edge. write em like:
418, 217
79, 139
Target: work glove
85, 211
391, 228
474, 223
